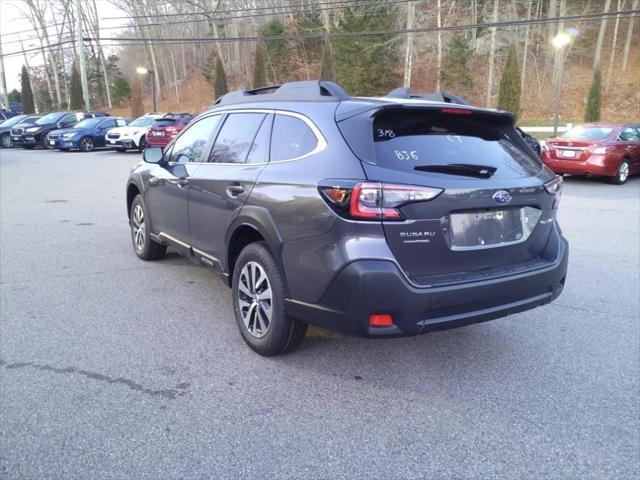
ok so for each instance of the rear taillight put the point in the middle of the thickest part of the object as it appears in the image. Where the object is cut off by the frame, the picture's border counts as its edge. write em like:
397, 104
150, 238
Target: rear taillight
374, 200
554, 187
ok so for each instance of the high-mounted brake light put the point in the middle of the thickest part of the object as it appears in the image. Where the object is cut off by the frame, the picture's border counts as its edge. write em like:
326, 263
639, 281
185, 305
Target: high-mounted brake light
376, 201
456, 111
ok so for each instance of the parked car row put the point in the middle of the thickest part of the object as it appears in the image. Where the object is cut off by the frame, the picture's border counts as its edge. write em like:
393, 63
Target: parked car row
86, 131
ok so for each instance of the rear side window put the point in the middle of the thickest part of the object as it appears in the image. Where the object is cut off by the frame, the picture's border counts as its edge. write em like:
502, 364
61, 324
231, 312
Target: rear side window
630, 135
434, 141
108, 123
235, 138
291, 138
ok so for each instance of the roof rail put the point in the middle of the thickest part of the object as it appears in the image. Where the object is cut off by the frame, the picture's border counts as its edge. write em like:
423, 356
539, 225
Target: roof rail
321, 90
444, 97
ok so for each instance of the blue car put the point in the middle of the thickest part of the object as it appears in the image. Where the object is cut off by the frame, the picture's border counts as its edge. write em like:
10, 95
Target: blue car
86, 135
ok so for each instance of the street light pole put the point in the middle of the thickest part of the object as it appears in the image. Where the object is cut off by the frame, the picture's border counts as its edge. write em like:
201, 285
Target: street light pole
144, 71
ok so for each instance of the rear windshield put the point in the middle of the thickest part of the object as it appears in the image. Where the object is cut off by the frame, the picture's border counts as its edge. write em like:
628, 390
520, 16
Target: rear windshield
165, 122
587, 133
430, 140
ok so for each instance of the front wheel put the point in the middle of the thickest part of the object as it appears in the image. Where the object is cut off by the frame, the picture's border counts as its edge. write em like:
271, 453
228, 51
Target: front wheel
5, 140
45, 142
144, 246
86, 144
258, 303
141, 143
622, 174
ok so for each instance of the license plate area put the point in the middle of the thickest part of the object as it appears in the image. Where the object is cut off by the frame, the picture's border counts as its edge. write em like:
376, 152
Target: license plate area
568, 153
483, 229
158, 134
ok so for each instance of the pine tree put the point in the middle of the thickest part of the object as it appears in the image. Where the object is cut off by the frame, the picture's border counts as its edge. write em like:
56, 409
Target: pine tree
76, 101
326, 67
26, 95
259, 67
509, 93
120, 89
455, 75
220, 79
14, 95
310, 23
137, 108
208, 71
594, 101
367, 65
276, 51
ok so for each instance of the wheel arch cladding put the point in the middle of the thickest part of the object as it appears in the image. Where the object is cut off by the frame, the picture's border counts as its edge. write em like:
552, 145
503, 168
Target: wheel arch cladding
132, 191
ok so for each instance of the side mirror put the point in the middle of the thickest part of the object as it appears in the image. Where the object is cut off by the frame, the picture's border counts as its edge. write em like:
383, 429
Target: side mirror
152, 155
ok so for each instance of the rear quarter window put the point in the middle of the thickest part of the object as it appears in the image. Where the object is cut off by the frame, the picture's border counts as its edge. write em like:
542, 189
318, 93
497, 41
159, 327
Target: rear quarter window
291, 138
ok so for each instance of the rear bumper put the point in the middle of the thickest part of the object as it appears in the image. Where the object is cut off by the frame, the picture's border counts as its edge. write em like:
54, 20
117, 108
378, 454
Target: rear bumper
596, 165
366, 287
157, 142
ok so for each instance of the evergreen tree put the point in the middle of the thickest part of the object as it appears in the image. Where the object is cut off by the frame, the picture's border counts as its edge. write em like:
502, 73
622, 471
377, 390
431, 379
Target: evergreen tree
326, 67
13, 96
509, 92
208, 71
276, 51
455, 75
137, 108
594, 101
259, 67
309, 23
367, 65
76, 101
220, 79
120, 90
26, 95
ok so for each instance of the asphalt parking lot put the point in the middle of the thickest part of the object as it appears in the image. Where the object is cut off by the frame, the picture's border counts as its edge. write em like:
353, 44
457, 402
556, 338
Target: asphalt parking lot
111, 367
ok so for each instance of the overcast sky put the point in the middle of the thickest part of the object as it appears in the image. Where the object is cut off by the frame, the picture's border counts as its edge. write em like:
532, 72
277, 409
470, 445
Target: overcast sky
12, 20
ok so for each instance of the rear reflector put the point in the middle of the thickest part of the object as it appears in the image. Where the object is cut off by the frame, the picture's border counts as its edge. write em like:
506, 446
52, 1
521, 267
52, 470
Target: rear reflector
380, 320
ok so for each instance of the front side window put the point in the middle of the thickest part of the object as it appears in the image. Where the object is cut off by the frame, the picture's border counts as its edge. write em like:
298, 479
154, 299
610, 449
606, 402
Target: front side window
108, 123
189, 146
291, 138
629, 135
236, 137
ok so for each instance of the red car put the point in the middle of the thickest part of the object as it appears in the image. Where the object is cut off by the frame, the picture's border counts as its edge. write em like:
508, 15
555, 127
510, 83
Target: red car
596, 149
163, 129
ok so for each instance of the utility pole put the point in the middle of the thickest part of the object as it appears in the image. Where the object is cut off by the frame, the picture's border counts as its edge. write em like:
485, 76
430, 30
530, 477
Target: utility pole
3, 81
81, 55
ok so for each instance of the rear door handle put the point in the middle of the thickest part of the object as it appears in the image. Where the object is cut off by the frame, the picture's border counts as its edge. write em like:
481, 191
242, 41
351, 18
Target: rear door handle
182, 182
235, 190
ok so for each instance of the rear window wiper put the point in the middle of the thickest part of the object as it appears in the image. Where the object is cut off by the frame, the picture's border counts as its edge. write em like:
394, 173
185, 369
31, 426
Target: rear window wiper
463, 169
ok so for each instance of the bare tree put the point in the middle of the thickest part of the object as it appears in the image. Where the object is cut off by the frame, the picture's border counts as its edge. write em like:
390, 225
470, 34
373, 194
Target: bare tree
627, 42
603, 28
492, 54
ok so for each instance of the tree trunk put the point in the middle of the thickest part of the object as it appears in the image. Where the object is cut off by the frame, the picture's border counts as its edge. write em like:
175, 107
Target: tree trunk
33, 90
601, 32
558, 54
525, 50
614, 41
627, 42
175, 75
492, 54
408, 55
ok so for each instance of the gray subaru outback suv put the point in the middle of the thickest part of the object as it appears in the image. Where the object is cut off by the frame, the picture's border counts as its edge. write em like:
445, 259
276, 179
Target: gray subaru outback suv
376, 217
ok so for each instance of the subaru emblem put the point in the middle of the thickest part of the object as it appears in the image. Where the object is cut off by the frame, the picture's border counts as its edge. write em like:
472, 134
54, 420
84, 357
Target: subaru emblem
502, 197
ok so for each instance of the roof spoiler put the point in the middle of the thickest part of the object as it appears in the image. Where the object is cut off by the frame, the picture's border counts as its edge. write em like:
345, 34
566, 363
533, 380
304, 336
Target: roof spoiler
296, 91
443, 97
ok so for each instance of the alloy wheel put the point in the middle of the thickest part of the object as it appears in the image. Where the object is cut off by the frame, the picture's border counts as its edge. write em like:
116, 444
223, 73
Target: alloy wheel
623, 172
86, 145
6, 141
138, 228
255, 299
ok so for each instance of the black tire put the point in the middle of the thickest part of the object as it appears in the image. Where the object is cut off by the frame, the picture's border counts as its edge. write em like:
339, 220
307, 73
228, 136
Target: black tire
283, 334
86, 144
143, 245
141, 145
5, 141
622, 174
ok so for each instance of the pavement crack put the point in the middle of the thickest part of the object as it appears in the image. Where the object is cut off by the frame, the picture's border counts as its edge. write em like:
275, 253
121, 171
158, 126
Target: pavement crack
589, 310
169, 393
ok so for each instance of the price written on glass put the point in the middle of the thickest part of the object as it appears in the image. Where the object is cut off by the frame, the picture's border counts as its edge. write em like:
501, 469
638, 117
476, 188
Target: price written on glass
407, 155
388, 133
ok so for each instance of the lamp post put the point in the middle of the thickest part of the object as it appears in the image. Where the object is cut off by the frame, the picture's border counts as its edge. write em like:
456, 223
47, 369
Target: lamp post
144, 71
559, 42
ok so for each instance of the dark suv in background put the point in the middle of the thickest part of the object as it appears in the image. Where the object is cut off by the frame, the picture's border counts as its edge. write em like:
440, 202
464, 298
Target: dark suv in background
38, 133
376, 217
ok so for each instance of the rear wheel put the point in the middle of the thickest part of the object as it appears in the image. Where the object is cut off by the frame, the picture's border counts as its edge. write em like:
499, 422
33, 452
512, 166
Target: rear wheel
144, 246
45, 142
622, 174
5, 141
258, 303
86, 144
